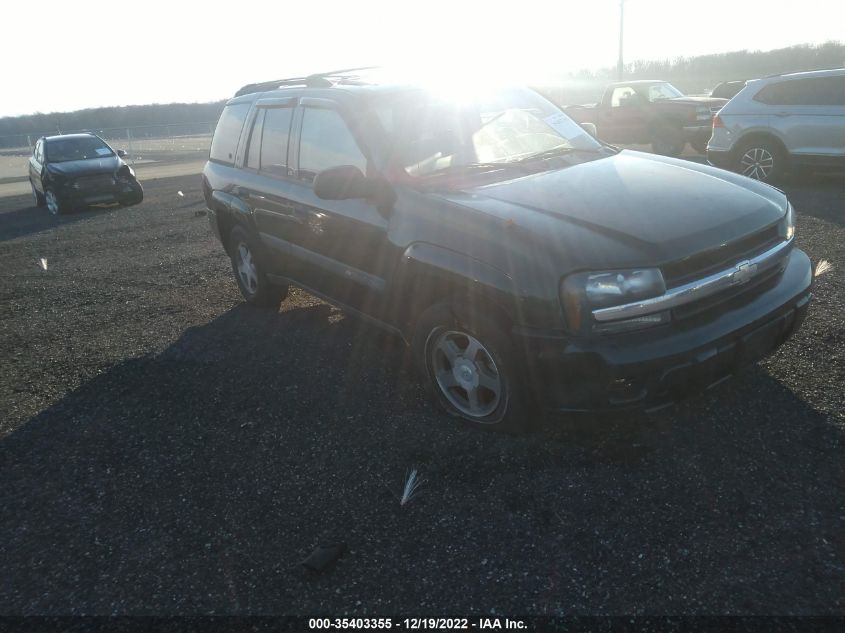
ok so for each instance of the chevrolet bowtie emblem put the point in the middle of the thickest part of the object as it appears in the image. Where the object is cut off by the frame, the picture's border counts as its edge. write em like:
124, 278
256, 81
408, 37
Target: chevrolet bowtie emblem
744, 271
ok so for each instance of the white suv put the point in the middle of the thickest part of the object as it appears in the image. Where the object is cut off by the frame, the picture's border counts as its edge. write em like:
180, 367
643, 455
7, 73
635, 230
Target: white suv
782, 121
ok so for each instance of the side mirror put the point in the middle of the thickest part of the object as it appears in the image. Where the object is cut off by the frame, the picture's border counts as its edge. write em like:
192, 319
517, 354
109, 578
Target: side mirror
590, 128
121, 153
347, 181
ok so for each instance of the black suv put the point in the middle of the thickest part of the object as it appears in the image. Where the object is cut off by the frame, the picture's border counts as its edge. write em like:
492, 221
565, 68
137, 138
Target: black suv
70, 171
521, 259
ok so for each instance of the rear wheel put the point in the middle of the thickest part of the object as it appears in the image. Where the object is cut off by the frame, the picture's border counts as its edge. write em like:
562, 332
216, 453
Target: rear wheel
470, 369
250, 274
761, 160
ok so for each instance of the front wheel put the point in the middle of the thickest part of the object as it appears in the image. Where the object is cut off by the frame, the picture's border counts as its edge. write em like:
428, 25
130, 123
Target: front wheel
249, 272
470, 369
699, 146
55, 204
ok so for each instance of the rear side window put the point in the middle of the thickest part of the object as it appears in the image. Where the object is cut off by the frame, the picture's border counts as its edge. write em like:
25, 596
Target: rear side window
326, 141
228, 132
274, 141
814, 91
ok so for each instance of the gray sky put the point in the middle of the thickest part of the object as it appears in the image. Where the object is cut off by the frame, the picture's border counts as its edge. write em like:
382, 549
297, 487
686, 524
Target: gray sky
61, 56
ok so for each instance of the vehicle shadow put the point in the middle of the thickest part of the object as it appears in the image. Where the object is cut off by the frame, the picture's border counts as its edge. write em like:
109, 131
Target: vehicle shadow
195, 480
24, 218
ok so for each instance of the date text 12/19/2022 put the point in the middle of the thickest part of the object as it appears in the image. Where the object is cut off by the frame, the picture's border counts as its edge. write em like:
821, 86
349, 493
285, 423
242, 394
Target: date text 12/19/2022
413, 624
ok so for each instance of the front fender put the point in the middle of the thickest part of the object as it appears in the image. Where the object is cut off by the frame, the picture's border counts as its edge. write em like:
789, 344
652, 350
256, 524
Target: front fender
430, 273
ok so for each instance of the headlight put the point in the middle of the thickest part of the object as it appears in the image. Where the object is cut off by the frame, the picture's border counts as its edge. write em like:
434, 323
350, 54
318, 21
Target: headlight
787, 225
581, 293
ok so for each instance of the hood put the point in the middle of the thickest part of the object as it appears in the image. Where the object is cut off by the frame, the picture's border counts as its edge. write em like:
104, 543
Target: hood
89, 167
661, 208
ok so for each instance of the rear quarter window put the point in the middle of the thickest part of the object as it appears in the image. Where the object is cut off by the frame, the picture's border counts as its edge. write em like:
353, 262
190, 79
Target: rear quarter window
224, 144
813, 91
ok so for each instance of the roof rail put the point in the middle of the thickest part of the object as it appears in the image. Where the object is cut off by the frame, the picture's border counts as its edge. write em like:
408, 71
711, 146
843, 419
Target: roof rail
317, 80
798, 72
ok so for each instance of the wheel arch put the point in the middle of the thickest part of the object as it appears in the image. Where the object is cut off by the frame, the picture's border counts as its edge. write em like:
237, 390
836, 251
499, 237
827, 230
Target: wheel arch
231, 212
429, 274
758, 135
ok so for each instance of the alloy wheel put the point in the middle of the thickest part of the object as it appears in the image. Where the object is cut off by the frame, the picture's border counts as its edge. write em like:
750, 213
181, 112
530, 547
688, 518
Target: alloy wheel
757, 163
247, 270
52, 202
466, 373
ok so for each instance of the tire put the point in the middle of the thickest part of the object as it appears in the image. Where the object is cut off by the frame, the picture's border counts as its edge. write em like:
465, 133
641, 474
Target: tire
761, 160
249, 271
38, 197
54, 202
470, 370
668, 141
699, 146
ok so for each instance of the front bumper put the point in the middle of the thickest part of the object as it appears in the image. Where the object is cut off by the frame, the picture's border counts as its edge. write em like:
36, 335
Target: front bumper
652, 368
122, 192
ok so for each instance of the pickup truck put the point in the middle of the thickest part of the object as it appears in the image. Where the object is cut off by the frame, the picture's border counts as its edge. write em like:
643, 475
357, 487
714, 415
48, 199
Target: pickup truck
650, 111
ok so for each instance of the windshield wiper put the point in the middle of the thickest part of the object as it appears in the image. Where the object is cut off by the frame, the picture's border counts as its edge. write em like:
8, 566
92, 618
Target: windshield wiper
472, 167
560, 150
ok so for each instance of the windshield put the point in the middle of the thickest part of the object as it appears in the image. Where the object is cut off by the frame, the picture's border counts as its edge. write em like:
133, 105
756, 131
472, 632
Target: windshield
429, 134
656, 92
80, 148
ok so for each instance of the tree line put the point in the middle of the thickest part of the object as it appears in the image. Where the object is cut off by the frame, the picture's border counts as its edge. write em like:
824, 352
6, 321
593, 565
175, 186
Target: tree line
702, 72
39, 124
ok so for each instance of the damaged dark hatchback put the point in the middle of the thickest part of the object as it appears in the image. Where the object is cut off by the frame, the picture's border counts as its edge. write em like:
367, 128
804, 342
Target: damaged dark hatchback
72, 171
523, 261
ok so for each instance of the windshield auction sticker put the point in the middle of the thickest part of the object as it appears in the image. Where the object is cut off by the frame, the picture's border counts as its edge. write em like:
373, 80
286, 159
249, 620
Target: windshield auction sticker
564, 126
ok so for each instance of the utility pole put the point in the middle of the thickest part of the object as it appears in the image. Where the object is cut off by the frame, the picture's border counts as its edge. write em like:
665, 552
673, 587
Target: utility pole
620, 64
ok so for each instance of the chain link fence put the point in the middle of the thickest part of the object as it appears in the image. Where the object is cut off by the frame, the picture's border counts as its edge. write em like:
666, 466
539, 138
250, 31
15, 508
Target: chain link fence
143, 144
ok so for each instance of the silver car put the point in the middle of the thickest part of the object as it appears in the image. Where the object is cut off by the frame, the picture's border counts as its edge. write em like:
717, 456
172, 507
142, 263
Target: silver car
780, 122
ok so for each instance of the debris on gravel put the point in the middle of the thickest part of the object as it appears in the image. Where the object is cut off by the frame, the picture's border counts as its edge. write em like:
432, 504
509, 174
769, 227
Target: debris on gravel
166, 449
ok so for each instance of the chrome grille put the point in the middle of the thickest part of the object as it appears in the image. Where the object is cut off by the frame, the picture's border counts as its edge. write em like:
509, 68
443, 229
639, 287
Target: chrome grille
703, 264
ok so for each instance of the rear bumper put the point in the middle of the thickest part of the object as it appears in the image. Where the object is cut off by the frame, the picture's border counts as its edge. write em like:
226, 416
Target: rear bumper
653, 368
719, 158
699, 133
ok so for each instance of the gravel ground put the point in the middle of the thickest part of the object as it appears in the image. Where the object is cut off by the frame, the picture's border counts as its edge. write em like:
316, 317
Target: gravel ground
165, 449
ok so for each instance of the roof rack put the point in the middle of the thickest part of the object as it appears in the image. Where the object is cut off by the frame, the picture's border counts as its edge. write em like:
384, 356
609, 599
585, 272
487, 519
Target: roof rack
317, 80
